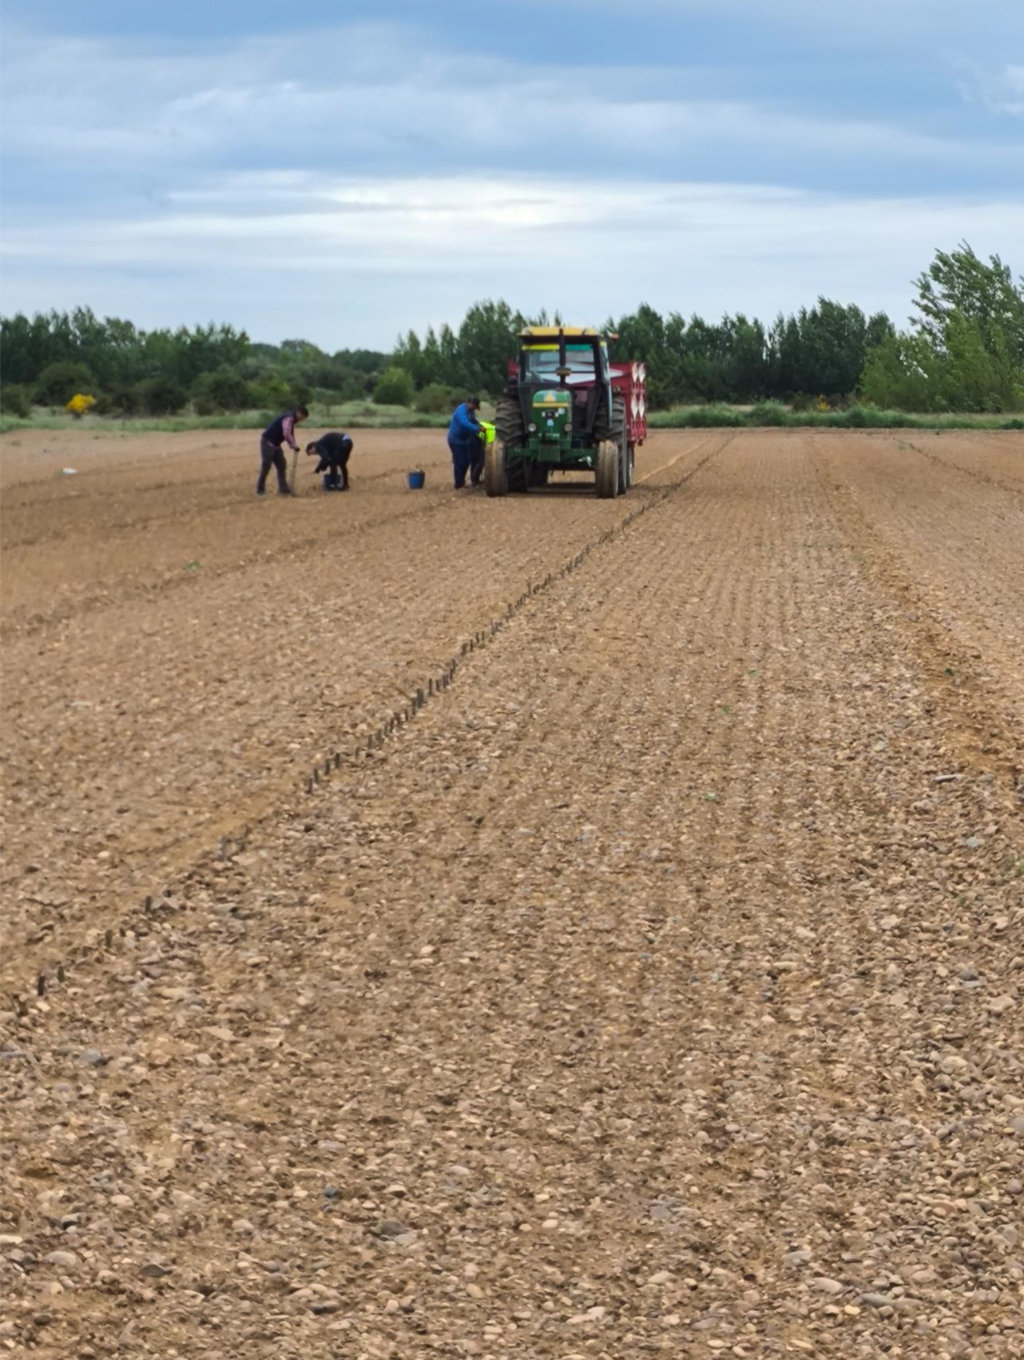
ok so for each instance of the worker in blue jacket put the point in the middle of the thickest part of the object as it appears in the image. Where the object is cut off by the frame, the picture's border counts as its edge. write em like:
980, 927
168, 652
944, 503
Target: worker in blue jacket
464, 441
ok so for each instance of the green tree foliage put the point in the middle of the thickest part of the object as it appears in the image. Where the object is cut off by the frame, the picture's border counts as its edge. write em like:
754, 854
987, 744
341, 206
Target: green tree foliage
58, 382
964, 352
222, 390
896, 374
394, 388
966, 349
15, 400
436, 398
959, 284
160, 397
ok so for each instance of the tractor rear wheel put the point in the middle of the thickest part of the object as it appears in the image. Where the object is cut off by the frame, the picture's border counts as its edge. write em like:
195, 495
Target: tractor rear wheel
510, 434
608, 462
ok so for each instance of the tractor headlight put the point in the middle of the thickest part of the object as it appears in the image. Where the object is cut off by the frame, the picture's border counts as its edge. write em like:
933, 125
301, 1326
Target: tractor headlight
531, 429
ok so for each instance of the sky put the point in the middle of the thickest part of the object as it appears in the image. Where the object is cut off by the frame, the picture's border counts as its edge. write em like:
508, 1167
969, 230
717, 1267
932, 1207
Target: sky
343, 171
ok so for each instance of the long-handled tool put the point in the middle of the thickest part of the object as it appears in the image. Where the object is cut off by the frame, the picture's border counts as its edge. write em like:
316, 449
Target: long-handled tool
295, 468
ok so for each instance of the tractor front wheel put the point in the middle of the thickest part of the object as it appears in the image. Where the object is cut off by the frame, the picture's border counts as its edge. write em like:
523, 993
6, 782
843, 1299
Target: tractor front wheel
495, 470
607, 469
626, 469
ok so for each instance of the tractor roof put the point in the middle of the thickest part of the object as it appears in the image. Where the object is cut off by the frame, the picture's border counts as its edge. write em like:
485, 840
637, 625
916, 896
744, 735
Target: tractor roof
553, 332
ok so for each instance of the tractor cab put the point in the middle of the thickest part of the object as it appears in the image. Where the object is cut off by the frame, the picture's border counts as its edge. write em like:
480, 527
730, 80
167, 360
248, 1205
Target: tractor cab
565, 370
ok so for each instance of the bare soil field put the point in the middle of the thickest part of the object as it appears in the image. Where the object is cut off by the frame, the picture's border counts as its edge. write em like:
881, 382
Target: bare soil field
547, 927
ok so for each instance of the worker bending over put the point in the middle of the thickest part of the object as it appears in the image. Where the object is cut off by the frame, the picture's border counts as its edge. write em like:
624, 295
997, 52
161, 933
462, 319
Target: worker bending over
333, 450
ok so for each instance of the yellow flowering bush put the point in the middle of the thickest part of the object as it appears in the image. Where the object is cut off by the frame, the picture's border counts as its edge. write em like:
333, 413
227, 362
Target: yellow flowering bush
80, 403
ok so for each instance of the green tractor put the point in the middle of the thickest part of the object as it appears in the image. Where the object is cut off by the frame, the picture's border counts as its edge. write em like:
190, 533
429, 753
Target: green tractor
567, 408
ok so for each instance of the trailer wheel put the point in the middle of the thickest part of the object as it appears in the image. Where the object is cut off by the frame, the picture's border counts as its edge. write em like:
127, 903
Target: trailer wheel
608, 463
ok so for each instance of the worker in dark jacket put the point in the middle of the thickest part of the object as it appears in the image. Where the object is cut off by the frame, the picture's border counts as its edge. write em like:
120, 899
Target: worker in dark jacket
333, 450
278, 432
464, 441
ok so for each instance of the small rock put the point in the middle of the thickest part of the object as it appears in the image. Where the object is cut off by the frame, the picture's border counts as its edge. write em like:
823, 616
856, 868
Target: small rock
1000, 1004
824, 1285
391, 1229
331, 1192
973, 843
154, 1271
660, 1277
876, 1300
67, 1259
967, 973
93, 1057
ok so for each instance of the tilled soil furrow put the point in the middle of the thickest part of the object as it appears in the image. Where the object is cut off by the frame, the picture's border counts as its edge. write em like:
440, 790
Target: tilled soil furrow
647, 995
952, 551
997, 459
121, 781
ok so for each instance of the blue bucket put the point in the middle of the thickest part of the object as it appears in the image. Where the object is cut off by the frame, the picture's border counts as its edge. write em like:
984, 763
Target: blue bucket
416, 480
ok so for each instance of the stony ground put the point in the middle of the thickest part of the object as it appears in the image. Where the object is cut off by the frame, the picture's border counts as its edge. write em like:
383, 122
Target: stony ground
538, 928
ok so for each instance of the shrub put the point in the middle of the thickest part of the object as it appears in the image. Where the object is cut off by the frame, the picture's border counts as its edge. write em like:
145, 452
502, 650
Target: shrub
394, 388
79, 404
222, 390
768, 413
698, 417
59, 382
435, 399
161, 396
271, 391
15, 400
120, 400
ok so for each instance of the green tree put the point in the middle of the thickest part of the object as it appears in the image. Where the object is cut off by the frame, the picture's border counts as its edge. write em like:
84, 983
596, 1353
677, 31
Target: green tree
488, 338
898, 374
394, 388
59, 382
222, 390
161, 396
15, 400
959, 284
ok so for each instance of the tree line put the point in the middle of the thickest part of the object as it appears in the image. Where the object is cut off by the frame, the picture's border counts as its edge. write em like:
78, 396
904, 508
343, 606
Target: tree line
49, 357
964, 351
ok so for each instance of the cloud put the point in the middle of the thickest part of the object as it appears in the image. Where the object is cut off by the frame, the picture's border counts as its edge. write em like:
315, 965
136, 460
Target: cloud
396, 105
1002, 92
432, 246
371, 175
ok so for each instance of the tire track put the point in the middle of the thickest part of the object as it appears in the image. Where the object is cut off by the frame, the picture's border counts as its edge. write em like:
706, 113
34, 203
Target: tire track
955, 561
